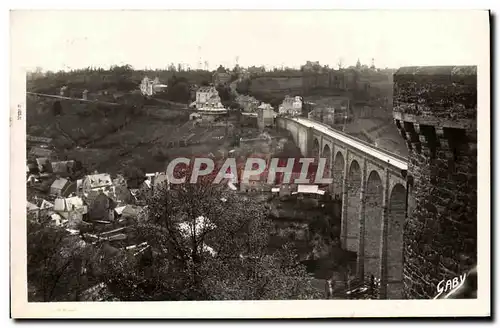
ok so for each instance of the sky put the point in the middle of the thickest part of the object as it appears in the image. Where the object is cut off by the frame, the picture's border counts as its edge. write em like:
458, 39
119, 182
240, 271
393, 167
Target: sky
55, 40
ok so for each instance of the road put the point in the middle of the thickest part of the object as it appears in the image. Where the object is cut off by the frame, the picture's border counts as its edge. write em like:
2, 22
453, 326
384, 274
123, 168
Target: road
73, 99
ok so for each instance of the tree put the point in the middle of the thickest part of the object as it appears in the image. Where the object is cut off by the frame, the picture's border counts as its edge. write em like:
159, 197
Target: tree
221, 69
340, 63
57, 108
243, 87
209, 245
225, 94
122, 77
54, 264
134, 176
178, 89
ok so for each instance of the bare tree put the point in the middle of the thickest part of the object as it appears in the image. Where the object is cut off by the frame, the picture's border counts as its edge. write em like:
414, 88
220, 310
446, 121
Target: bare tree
340, 63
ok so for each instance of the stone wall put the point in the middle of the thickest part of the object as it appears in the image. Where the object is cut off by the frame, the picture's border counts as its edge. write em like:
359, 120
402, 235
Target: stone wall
435, 110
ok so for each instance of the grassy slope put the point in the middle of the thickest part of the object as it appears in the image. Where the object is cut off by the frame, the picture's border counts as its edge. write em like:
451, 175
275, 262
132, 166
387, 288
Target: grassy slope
107, 143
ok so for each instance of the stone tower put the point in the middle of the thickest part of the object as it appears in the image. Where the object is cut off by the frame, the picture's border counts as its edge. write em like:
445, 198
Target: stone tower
435, 110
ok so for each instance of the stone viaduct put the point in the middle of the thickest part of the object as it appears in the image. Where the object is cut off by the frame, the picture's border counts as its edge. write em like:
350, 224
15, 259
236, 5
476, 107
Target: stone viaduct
411, 221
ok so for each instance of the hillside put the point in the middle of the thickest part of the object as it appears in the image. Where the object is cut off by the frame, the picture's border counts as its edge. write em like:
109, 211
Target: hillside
118, 78
370, 95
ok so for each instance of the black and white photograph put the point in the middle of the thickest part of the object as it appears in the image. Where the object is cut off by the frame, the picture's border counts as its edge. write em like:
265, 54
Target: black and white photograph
324, 157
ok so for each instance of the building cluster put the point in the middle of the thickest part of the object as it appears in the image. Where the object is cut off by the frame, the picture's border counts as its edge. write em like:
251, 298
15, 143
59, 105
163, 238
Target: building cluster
95, 198
150, 87
248, 103
291, 106
61, 194
330, 111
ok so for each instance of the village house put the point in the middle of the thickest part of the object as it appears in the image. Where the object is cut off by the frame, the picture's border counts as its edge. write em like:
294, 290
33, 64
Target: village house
291, 106
100, 206
146, 86
150, 87
122, 195
119, 181
144, 191
72, 210
32, 212
62, 187
248, 103
257, 182
56, 220
325, 115
32, 167
331, 110
265, 116
207, 98
32, 180
97, 182
63, 168
63, 90
45, 207
44, 165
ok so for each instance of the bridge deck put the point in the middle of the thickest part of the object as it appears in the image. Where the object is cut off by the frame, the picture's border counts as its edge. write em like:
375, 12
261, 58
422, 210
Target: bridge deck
383, 155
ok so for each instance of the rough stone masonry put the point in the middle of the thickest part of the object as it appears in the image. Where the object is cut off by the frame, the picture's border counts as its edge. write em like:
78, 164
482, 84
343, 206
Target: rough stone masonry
435, 110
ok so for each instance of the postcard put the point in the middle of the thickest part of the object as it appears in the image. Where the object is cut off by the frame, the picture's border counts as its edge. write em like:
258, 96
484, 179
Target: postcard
250, 164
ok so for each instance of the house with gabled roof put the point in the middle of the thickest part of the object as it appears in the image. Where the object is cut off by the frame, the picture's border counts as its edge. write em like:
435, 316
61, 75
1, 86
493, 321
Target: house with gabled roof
205, 95
45, 207
63, 168
97, 182
60, 187
43, 164
122, 195
101, 207
72, 209
32, 211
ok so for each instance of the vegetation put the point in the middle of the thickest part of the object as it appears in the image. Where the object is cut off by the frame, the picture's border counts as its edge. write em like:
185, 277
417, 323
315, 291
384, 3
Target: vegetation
206, 244
54, 263
178, 89
117, 78
223, 254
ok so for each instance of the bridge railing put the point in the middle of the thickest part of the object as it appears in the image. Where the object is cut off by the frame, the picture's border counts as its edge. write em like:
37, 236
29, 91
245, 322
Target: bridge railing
367, 144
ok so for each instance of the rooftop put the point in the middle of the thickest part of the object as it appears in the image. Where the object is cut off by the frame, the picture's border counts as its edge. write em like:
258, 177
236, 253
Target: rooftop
67, 204
59, 183
99, 180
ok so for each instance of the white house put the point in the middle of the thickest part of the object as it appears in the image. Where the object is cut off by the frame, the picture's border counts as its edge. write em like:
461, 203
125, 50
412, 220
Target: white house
149, 87
291, 106
96, 182
265, 116
207, 98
